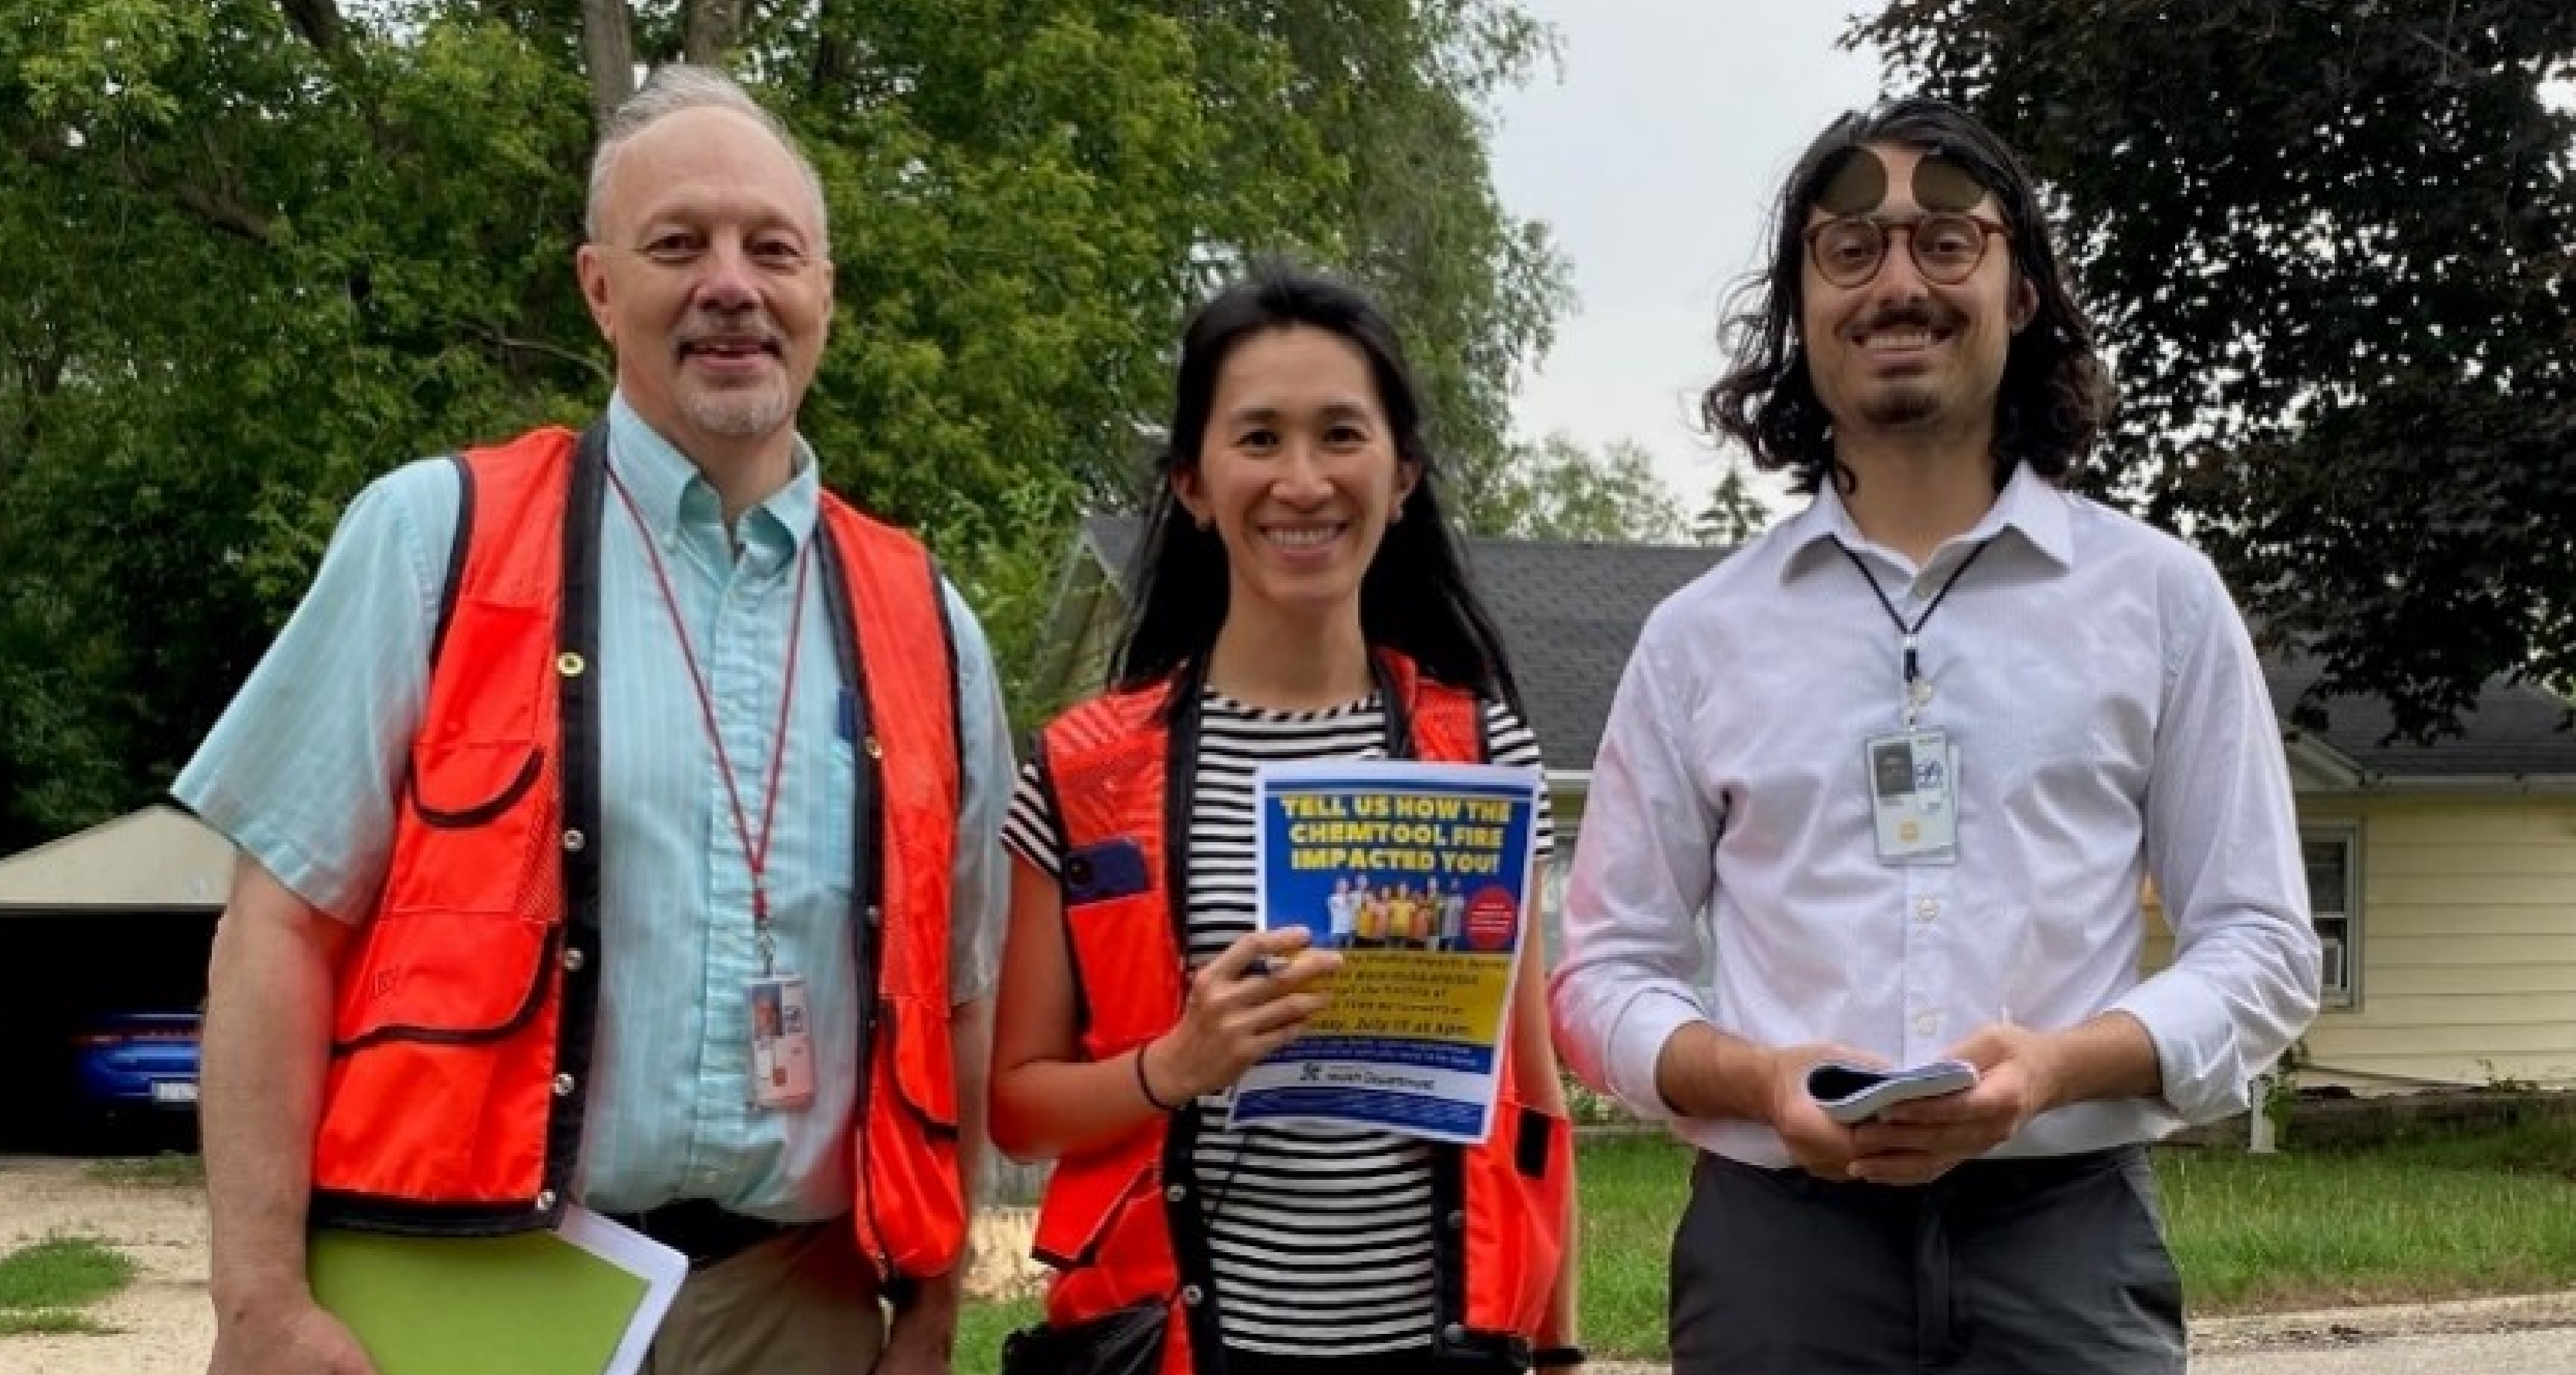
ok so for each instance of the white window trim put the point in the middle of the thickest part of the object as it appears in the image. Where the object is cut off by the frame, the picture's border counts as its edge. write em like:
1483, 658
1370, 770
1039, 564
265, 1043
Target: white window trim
2349, 835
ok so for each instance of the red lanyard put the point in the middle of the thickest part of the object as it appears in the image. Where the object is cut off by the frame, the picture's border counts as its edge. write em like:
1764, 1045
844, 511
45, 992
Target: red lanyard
755, 848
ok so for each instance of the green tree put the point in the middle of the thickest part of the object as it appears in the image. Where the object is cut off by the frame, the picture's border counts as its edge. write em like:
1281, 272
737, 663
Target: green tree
1735, 512
264, 250
2329, 245
1556, 489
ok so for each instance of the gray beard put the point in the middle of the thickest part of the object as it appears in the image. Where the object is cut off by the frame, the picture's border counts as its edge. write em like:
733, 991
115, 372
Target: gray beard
737, 415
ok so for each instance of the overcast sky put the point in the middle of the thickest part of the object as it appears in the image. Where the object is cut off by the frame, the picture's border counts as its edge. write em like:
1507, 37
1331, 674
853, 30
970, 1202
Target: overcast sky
1653, 160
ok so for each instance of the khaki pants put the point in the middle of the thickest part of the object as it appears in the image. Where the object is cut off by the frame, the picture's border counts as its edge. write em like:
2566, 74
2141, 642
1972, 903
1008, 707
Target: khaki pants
802, 1303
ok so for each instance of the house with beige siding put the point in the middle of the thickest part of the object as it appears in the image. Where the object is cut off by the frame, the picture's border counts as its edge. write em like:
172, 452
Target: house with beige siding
2443, 876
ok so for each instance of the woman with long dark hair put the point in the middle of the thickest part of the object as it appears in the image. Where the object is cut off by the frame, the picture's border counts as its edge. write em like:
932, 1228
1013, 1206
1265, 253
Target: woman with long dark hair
1299, 595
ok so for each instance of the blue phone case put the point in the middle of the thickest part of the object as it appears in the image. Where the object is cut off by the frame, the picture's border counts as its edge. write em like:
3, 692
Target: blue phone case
1109, 869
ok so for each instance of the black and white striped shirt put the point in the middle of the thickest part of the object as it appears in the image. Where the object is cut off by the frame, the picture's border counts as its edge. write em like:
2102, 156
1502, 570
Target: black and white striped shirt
1321, 1236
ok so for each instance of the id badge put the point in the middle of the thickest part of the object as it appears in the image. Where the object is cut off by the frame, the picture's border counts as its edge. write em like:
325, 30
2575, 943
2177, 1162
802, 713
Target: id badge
1914, 796
782, 1044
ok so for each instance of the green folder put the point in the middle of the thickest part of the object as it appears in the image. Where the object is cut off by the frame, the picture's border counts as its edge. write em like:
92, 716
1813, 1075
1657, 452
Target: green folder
531, 1304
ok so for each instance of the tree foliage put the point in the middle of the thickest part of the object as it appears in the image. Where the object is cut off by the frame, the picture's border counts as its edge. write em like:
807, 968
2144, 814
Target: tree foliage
1556, 489
2330, 245
1735, 512
264, 250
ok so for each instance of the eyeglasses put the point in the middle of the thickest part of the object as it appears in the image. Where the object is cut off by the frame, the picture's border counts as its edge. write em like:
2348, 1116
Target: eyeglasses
1947, 246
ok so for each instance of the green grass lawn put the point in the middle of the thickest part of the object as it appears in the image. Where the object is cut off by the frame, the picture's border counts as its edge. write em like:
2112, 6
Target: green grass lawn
43, 1287
2433, 1218
981, 1327
2436, 1217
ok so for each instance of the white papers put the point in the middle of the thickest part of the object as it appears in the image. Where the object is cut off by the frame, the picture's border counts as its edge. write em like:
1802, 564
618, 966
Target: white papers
662, 1269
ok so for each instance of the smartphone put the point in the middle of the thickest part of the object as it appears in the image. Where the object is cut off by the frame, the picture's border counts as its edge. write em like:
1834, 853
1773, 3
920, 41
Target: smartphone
1108, 869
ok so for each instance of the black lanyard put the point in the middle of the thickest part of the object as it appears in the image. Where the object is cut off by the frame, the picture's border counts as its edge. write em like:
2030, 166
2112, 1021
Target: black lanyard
1914, 694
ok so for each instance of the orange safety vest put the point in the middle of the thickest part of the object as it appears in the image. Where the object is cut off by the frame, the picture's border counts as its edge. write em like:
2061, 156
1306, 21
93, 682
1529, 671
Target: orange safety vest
464, 1022
1122, 1224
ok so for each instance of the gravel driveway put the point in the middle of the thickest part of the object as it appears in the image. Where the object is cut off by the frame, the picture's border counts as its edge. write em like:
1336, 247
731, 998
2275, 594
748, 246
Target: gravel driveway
163, 1326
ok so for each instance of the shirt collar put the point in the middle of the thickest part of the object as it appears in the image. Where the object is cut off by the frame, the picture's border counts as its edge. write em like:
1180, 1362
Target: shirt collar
674, 496
2029, 505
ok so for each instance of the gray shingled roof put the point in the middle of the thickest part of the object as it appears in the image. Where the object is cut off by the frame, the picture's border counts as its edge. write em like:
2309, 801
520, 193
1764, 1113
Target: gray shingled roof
1570, 612
2513, 731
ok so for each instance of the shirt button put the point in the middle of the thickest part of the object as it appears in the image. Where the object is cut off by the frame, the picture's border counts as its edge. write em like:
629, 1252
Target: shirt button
1926, 1023
1926, 909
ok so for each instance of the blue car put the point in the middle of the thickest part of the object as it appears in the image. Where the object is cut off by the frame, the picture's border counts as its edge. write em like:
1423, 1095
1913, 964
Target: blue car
136, 1061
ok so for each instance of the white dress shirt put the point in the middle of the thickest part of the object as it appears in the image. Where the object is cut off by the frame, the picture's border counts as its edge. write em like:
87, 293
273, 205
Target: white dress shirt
2111, 723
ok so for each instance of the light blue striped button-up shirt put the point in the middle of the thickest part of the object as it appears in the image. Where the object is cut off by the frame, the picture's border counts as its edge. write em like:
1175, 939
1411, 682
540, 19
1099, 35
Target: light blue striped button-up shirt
303, 768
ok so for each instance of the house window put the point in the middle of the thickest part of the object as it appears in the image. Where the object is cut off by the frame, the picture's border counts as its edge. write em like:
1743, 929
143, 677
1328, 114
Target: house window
2333, 856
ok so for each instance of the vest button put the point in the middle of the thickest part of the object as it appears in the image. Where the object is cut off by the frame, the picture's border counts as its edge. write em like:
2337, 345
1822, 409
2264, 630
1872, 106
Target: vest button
1176, 1192
563, 1086
1192, 1295
574, 840
876, 748
546, 1201
573, 960
1457, 1219
569, 664
1454, 1334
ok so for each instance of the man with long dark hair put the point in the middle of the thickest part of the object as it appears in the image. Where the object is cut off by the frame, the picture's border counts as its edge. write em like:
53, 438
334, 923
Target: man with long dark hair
2068, 705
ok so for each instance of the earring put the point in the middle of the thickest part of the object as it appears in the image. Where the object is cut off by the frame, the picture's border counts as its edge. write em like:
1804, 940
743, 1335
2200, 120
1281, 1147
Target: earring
1204, 522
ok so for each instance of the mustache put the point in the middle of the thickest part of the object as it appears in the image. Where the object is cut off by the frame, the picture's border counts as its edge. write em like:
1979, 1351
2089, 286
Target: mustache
1910, 315
760, 331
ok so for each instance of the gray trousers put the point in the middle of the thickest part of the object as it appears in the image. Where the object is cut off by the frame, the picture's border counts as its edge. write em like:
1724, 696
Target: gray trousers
2052, 1266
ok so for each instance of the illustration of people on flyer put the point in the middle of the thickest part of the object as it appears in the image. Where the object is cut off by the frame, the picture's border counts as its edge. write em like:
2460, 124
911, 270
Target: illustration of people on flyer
1420, 875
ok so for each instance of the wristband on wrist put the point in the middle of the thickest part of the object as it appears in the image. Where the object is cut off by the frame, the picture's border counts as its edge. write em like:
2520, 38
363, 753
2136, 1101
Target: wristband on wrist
1547, 1356
1145, 1086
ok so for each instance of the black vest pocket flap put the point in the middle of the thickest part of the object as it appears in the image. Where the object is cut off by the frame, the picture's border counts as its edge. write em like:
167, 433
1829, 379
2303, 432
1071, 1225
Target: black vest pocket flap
466, 785
456, 978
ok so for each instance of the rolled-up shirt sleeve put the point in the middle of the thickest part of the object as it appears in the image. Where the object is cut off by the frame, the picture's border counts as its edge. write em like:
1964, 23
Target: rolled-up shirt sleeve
1632, 966
2222, 842
302, 769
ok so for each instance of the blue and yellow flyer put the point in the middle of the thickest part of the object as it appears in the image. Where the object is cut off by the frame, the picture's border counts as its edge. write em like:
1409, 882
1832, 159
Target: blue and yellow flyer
1419, 874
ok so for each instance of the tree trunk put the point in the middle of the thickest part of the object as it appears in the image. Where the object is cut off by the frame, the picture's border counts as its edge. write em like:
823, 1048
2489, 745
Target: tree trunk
714, 26
317, 20
832, 56
608, 51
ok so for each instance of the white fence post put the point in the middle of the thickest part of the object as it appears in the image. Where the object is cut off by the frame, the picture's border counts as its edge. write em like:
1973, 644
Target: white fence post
2258, 1123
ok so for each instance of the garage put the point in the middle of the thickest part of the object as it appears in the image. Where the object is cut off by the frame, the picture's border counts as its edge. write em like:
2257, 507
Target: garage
116, 919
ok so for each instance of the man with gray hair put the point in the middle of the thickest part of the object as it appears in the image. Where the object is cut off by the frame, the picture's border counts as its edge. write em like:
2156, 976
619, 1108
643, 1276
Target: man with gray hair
618, 823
